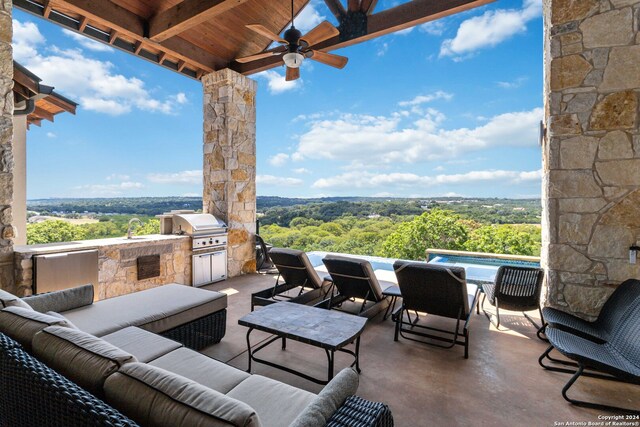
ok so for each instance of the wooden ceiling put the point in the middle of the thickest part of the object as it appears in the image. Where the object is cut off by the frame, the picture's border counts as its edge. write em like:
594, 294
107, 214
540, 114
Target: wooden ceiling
195, 37
48, 103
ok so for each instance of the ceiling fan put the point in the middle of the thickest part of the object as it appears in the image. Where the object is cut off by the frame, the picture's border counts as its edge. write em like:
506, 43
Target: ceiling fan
297, 47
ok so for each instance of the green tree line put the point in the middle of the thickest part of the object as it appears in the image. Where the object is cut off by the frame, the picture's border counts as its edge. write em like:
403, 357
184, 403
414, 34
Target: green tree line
62, 231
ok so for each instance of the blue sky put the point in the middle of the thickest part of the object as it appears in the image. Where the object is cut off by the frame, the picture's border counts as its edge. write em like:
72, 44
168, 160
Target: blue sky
448, 108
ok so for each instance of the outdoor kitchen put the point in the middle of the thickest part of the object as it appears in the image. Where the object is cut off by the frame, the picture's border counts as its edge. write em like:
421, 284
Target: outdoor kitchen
191, 249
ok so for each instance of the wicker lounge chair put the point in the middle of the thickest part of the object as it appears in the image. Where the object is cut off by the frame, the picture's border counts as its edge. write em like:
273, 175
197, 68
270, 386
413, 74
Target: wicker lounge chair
353, 278
618, 358
437, 290
612, 311
517, 289
296, 270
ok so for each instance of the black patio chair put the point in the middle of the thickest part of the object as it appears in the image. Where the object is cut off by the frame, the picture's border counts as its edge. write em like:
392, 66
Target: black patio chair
295, 269
353, 278
612, 311
436, 290
516, 289
618, 358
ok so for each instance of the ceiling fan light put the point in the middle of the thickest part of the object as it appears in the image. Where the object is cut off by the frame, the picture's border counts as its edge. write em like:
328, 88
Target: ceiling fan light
293, 59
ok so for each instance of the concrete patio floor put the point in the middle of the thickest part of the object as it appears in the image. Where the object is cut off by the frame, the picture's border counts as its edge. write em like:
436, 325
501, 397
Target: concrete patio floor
500, 384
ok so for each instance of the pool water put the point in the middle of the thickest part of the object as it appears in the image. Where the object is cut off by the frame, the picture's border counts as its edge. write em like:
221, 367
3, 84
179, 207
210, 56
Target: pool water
477, 269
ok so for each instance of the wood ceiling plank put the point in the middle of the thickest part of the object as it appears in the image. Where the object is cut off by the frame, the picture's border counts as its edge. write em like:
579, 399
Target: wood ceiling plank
42, 113
186, 15
398, 18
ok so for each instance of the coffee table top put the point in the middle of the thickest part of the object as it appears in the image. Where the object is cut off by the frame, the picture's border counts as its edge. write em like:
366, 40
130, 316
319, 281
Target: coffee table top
323, 328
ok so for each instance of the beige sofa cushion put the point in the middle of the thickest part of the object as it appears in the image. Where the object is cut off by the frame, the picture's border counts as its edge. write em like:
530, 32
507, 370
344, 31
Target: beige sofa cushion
202, 369
332, 396
156, 310
277, 404
62, 300
144, 345
154, 397
84, 359
10, 300
22, 324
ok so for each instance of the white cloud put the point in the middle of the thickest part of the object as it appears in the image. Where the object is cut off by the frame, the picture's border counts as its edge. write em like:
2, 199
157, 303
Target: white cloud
279, 159
51, 135
118, 177
512, 84
180, 98
270, 180
88, 43
413, 138
301, 171
108, 190
94, 83
308, 18
276, 82
182, 177
490, 29
434, 28
423, 99
383, 49
364, 180
192, 195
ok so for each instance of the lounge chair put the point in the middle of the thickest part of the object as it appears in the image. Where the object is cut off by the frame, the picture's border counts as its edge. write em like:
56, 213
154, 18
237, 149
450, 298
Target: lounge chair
439, 291
353, 278
618, 358
295, 269
612, 311
517, 289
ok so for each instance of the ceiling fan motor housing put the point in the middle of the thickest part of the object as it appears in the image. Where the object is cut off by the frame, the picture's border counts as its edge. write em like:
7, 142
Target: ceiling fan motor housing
292, 35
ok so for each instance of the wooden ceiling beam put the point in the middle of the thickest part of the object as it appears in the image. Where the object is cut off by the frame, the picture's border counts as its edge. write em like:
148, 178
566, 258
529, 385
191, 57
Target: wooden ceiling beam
185, 15
336, 7
353, 5
61, 103
127, 24
388, 21
367, 6
44, 114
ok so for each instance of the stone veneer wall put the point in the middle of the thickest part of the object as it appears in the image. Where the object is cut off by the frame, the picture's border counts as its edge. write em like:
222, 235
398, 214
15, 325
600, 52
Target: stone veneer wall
591, 162
117, 267
229, 170
6, 153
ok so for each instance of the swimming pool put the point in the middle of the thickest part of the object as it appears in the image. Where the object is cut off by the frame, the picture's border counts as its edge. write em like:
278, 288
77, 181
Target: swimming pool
478, 268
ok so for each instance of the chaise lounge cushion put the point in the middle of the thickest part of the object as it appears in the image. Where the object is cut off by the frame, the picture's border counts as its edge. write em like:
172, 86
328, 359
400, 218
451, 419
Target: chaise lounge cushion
156, 310
81, 357
332, 397
154, 397
202, 369
63, 300
22, 324
144, 345
277, 404
10, 300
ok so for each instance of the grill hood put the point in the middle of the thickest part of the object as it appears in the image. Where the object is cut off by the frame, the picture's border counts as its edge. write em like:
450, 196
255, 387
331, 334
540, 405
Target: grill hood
197, 224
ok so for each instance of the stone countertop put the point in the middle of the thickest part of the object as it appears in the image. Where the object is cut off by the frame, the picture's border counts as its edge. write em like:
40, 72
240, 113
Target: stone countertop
82, 245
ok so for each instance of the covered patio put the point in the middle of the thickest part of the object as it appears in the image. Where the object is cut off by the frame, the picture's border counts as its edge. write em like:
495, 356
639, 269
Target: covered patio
591, 183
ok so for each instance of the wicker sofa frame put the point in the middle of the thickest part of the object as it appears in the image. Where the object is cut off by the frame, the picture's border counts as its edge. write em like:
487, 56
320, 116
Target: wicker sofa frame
200, 333
32, 394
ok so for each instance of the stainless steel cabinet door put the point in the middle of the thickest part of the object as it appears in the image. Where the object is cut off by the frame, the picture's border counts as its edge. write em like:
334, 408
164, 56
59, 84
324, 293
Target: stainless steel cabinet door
218, 266
201, 269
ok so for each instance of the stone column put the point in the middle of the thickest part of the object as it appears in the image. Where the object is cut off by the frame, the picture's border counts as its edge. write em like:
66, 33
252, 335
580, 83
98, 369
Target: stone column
6, 155
230, 162
591, 185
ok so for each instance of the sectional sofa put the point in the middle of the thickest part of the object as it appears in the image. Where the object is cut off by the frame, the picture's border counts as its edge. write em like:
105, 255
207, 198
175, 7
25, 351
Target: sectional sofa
126, 361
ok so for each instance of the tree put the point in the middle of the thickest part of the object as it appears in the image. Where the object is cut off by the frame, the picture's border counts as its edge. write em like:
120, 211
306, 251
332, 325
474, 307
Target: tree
151, 226
435, 229
506, 239
53, 231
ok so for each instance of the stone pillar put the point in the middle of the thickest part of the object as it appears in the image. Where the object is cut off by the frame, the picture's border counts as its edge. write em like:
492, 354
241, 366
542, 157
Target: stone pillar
591, 184
230, 162
6, 154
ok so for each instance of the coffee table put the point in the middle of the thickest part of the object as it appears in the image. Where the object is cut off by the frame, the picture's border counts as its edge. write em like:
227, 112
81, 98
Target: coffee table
327, 329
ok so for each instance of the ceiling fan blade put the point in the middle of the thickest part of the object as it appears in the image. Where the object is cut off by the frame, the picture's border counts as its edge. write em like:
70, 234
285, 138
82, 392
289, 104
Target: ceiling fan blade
336, 61
266, 33
320, 33
292, 74
262, 55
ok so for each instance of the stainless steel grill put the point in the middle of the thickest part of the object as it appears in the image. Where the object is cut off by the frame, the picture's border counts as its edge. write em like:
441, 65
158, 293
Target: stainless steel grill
208, 243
